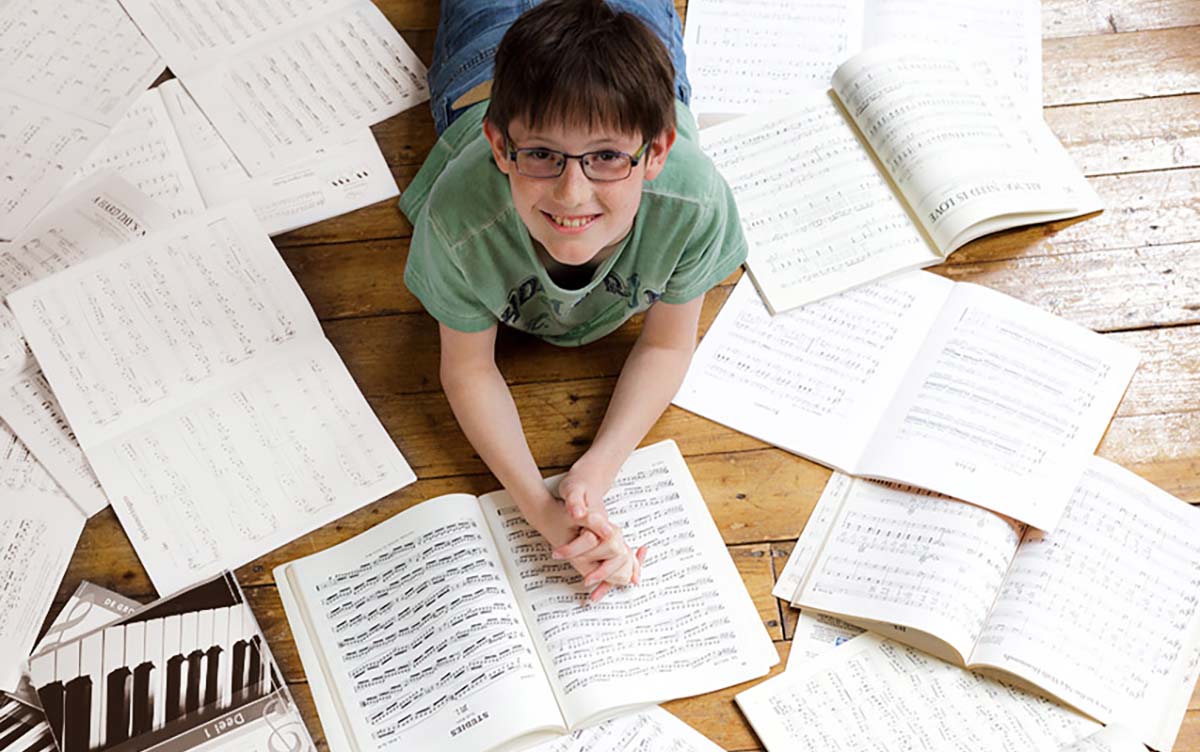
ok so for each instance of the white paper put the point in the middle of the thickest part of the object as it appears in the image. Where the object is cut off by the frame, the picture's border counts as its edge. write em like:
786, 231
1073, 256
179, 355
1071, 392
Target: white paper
1108, 739
812, 537
817, 634
654, 729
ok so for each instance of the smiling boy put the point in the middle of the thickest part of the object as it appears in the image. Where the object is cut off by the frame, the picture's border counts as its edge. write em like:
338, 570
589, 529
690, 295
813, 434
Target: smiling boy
573, 199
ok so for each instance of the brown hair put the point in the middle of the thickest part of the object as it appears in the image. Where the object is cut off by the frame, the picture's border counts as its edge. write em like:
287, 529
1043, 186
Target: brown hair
581, 63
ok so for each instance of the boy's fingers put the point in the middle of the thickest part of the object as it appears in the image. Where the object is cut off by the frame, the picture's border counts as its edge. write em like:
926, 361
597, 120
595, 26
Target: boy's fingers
600, 591
576, 501
605, 571
600, 525
639, 559
584, 542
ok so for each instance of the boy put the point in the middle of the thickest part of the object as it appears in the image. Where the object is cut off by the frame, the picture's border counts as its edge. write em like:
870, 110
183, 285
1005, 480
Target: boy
554, 208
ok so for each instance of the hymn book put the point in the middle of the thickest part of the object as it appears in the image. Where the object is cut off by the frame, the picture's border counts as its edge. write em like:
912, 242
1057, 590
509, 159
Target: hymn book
910, 157
419, 633
1101, 614
948, 386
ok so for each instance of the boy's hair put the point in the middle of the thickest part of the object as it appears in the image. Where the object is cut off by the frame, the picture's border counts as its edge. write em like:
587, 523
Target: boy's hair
581, 63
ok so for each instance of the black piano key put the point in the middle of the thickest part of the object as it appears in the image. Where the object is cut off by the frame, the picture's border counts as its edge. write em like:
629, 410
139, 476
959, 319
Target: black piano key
239, 666
51, 696
255, 665
117, 713
143, 704
174, 686
212, 673
192, 695
16, 727
77, 711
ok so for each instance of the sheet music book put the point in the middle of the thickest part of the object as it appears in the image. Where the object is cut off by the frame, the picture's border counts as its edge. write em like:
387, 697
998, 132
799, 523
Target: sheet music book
188, 672
880, 695
418, 633
746, 55
95, 216
653, 729
69, 69
948, 386
219, 420
913, 155
1101, 614
168, 149
280, 77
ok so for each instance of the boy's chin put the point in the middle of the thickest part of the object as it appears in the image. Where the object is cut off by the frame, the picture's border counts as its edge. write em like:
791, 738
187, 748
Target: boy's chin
571, 254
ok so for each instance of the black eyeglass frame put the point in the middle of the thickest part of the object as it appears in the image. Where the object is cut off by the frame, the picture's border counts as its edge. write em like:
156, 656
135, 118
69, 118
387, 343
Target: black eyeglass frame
634, 160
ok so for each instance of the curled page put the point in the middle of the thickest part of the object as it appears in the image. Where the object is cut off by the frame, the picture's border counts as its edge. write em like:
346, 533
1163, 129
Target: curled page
653, 729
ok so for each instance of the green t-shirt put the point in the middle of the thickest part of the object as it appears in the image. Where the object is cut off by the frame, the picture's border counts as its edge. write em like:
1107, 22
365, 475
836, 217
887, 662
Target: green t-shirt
472, 261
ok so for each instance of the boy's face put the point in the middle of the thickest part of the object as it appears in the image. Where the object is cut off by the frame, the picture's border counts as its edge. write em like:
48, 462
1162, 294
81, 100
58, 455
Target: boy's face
573, 217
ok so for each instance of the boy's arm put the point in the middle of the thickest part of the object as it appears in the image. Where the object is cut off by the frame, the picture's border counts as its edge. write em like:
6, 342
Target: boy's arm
649, 379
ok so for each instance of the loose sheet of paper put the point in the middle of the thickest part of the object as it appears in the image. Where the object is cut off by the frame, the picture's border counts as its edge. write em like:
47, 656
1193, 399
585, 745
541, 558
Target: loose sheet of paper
1103, 612
69, 69
653, 729
876, 694
816, 379
818, 213
816, 634
689, 627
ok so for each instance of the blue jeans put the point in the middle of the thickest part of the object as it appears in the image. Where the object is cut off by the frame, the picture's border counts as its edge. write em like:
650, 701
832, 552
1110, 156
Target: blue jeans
470, 30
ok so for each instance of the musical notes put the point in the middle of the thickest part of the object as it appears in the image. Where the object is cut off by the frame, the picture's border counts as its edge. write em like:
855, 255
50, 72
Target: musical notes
653, 729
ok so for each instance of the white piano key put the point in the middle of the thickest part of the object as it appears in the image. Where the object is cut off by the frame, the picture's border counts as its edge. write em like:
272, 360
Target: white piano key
114, 658
154, 654
170, 649
135, 653
91, 663
204, 641
42, 668
187, 643
221, 637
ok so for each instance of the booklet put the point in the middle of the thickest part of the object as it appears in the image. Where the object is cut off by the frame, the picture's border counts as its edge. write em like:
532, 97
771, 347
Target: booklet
649, 730
418, 633
1101, 614
948, 386
911, 156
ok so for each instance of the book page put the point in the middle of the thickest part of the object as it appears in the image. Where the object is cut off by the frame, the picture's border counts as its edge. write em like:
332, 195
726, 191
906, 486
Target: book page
335, 180
654, 729
814, 380
1010, 31
879, 695
688, 628
900, 555
958, 144
812, 537
144, 149
819, 215
816, 634
1103, 611
1108, 739
1003, 407
141, 330
744, 55
411, 639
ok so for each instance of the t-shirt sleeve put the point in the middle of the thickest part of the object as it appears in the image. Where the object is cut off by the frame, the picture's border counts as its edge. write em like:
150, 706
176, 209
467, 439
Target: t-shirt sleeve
433, 275
715, 248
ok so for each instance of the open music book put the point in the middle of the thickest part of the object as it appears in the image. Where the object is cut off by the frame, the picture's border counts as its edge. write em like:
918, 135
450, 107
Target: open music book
876, 694
649, 730
196, 377
1102, 613
948, 386
280, 77
171, 152
418, 633
913, 155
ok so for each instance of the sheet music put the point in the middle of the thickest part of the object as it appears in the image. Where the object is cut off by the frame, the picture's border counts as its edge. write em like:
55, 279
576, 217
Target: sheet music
819, 215
1103, 612
1011, 30
144, 149
957, 144
814, 380
687, 628
333, 181
880, 695
276, 85
1003, 407
896, 554
68, 71
653, 729
820, 522
418, 631
816, 634
743, 55
1108, 739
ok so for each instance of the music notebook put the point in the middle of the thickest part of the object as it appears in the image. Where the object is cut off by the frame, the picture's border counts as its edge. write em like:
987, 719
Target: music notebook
188, 672
196, 377
948, 386
1101, 614
911, 156
418, 633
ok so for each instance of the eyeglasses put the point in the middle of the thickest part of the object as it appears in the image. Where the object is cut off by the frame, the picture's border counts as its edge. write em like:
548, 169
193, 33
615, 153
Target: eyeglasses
604, 166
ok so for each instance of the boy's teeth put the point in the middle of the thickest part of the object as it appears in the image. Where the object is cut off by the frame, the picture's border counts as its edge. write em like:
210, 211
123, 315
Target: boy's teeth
570, 222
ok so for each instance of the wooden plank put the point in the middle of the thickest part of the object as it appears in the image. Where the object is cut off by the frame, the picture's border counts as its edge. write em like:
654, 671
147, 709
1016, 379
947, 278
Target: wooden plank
1130, 136
780, 551
754, 565
1153, 63
1077, 18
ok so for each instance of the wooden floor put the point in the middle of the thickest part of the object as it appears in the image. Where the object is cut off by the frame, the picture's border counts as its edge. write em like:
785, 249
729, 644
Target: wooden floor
1122, 89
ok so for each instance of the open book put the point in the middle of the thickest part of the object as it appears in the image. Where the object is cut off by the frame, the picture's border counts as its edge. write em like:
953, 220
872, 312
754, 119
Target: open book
196, 377
947, 386
418, 633
1101, 614
913, 155
168, 149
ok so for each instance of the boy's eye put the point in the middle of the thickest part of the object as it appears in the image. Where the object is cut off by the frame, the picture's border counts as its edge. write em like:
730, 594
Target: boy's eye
540, 155
608, 156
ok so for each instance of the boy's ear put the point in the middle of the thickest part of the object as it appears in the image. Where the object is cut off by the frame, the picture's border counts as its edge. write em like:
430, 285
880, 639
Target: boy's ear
656, 152
498, 142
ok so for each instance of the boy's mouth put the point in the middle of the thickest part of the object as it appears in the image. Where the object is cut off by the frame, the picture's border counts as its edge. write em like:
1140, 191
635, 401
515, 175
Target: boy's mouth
571, 223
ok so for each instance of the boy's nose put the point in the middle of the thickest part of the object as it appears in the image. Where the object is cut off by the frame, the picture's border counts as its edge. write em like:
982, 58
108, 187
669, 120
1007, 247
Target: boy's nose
572, 187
